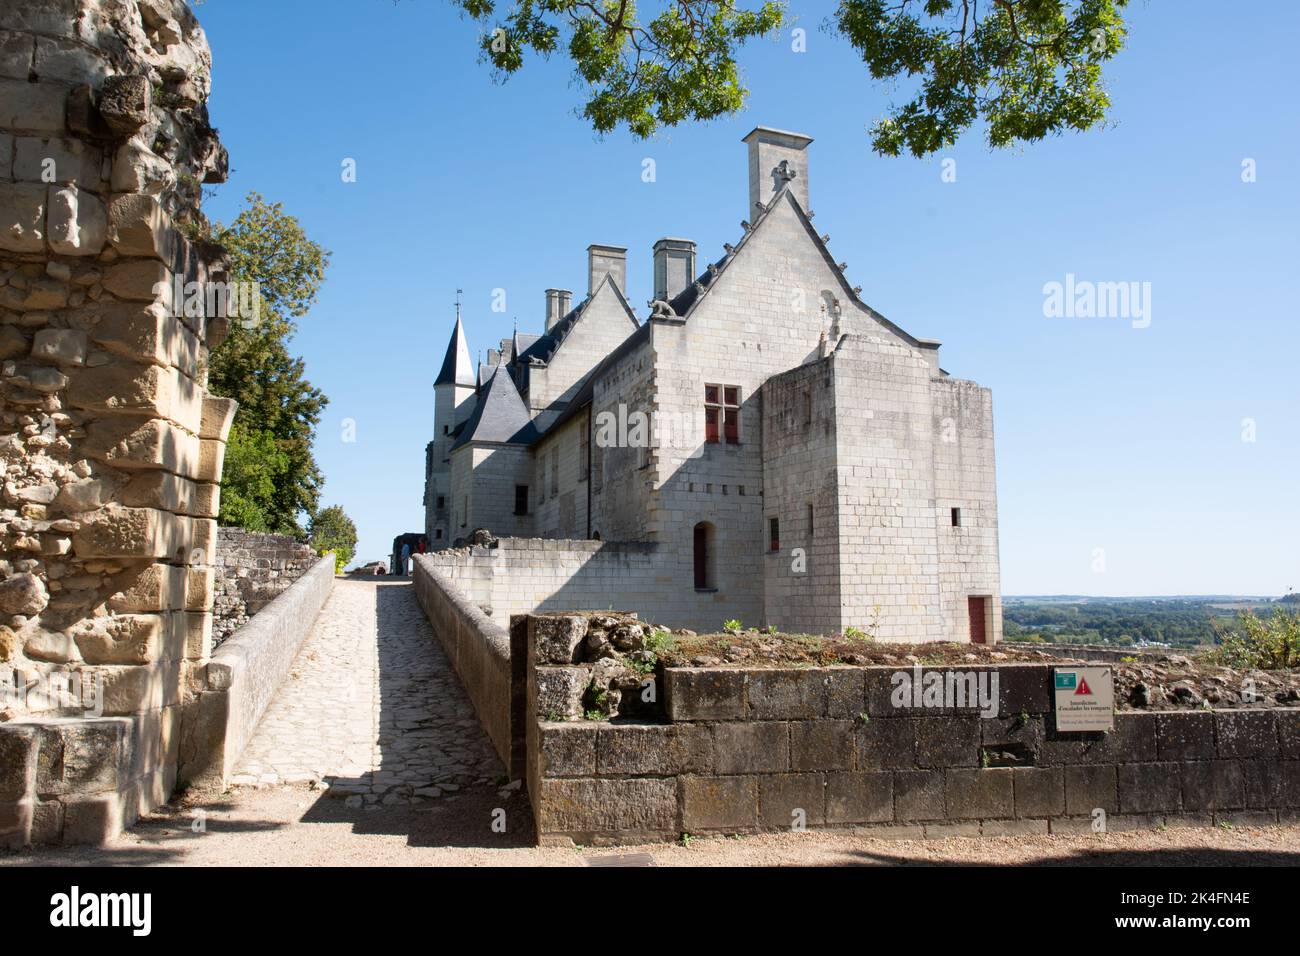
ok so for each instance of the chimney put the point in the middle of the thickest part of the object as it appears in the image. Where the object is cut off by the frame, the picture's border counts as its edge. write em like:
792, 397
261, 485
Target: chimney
553, 310
494, 357
606, 260
768, 150
674, 266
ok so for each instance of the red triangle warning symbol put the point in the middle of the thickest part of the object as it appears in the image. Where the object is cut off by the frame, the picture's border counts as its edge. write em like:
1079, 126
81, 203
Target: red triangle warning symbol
1083, 688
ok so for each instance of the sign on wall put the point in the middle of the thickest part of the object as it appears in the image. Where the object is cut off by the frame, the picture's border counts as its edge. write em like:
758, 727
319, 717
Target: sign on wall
1084, 698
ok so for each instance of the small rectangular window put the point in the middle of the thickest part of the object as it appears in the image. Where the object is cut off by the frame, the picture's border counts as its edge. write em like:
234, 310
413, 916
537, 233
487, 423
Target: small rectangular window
956, 517
521, 499
810, 520
437, 534
722, 414
464, 510
442, 502
774, 534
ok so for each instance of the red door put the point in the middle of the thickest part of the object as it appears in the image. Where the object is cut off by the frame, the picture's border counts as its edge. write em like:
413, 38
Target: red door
975, 610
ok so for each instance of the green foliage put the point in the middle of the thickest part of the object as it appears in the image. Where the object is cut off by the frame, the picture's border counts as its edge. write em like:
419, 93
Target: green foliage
593, 714
254, 465
332, 530
1186, 623
854, 634
1026, 68
678, 65
1271, 643
732, 626
253, 365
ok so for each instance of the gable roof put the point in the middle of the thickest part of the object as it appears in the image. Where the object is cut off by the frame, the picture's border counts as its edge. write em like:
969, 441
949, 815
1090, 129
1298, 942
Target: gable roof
457, 369
686, 301
499, 415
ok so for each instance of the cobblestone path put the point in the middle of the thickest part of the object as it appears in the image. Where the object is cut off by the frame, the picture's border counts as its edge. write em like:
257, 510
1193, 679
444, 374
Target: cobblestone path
372, 708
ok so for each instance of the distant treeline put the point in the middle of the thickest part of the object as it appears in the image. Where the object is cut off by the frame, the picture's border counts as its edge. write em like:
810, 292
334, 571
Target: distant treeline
1179, 623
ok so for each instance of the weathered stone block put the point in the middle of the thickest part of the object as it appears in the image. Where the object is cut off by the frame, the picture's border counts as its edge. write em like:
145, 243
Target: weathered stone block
559, 691
1090, 787
16, 823
120, 639
17, 761
654, 749
1024, 689
718, 803
1288, 733
845, 692
1150, 788
698, 694
948, 742
977, 794
76, 223
140, 280
115, 531
35, 107
859, 797
1039, 791
22, 214
751, 747
1185, 735
1213, 785
1262, 783
886, 743
786, 800
821, 745
1245, 733
785, 693
54, 159
567, 750
138, 226
80, 757
919, 795
147, 333
93, 820
124, 102
60, 346
218, 413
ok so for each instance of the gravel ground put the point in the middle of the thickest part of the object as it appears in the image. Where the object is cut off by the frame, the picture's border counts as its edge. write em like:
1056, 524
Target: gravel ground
288, 826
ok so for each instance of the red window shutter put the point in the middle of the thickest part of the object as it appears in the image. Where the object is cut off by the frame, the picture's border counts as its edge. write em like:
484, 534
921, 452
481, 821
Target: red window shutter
710, 424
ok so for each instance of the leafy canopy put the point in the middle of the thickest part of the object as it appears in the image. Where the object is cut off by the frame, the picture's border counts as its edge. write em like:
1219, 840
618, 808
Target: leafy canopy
1026, 68
271, 472
333, 530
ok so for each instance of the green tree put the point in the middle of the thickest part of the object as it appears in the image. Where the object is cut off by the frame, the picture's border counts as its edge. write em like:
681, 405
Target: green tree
269, 248
333, 530
1027, 68
1269, 643
255, 465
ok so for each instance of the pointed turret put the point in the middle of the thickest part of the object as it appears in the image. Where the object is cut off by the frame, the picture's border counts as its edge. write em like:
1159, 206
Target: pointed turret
457, 369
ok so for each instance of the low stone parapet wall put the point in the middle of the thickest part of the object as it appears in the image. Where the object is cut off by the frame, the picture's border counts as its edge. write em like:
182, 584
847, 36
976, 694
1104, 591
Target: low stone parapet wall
252, 570
242, 677
480, 651
741, 750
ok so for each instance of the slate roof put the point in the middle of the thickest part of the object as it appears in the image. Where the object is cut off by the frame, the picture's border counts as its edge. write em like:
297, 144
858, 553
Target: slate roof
499, 415
456, 366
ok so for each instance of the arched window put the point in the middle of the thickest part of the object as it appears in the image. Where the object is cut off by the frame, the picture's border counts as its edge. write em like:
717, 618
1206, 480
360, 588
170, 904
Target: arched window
705, 579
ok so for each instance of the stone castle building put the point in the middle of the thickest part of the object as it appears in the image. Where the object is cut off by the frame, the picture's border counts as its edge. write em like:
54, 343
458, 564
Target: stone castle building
793, 458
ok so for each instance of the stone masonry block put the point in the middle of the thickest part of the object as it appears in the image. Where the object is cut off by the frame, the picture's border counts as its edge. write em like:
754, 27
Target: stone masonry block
654, 749
1288, 733
22, 215
1150, 788
1213, 785
75, 222
1089, 787
1185, 735
35, 107
218, 413
567, 749
698, 694
1245, 733
919, 795
1039, 791
147, 333
859, 797
751, 747
138, 226
821, 745
718, 803
93, 820
18, 744
978, 794
781, 797
786, 693
886, 743
555, 639
1024, 688
81, 757
845, 691
115, 531
559, 691
948, 742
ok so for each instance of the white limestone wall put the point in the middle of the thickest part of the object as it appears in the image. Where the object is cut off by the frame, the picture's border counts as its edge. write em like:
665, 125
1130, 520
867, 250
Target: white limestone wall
559, 503
965, 478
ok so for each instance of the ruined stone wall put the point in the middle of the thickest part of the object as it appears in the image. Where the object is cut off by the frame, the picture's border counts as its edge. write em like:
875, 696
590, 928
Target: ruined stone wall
110, 445
252, 569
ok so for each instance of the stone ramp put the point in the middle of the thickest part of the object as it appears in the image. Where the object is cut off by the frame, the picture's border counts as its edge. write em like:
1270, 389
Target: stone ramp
372, 708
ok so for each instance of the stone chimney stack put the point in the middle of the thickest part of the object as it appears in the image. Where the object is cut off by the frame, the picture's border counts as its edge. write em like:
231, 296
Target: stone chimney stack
775, 157
674, 267
606, 260
553, 312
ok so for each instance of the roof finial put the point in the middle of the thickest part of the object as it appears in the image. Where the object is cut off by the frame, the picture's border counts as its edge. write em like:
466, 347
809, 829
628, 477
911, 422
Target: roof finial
458, 293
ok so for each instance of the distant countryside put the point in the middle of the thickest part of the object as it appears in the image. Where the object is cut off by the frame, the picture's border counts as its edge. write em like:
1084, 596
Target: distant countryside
1138, 621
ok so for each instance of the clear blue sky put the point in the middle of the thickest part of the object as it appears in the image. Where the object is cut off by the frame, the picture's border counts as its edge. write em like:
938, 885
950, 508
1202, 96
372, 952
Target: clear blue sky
1128, 440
